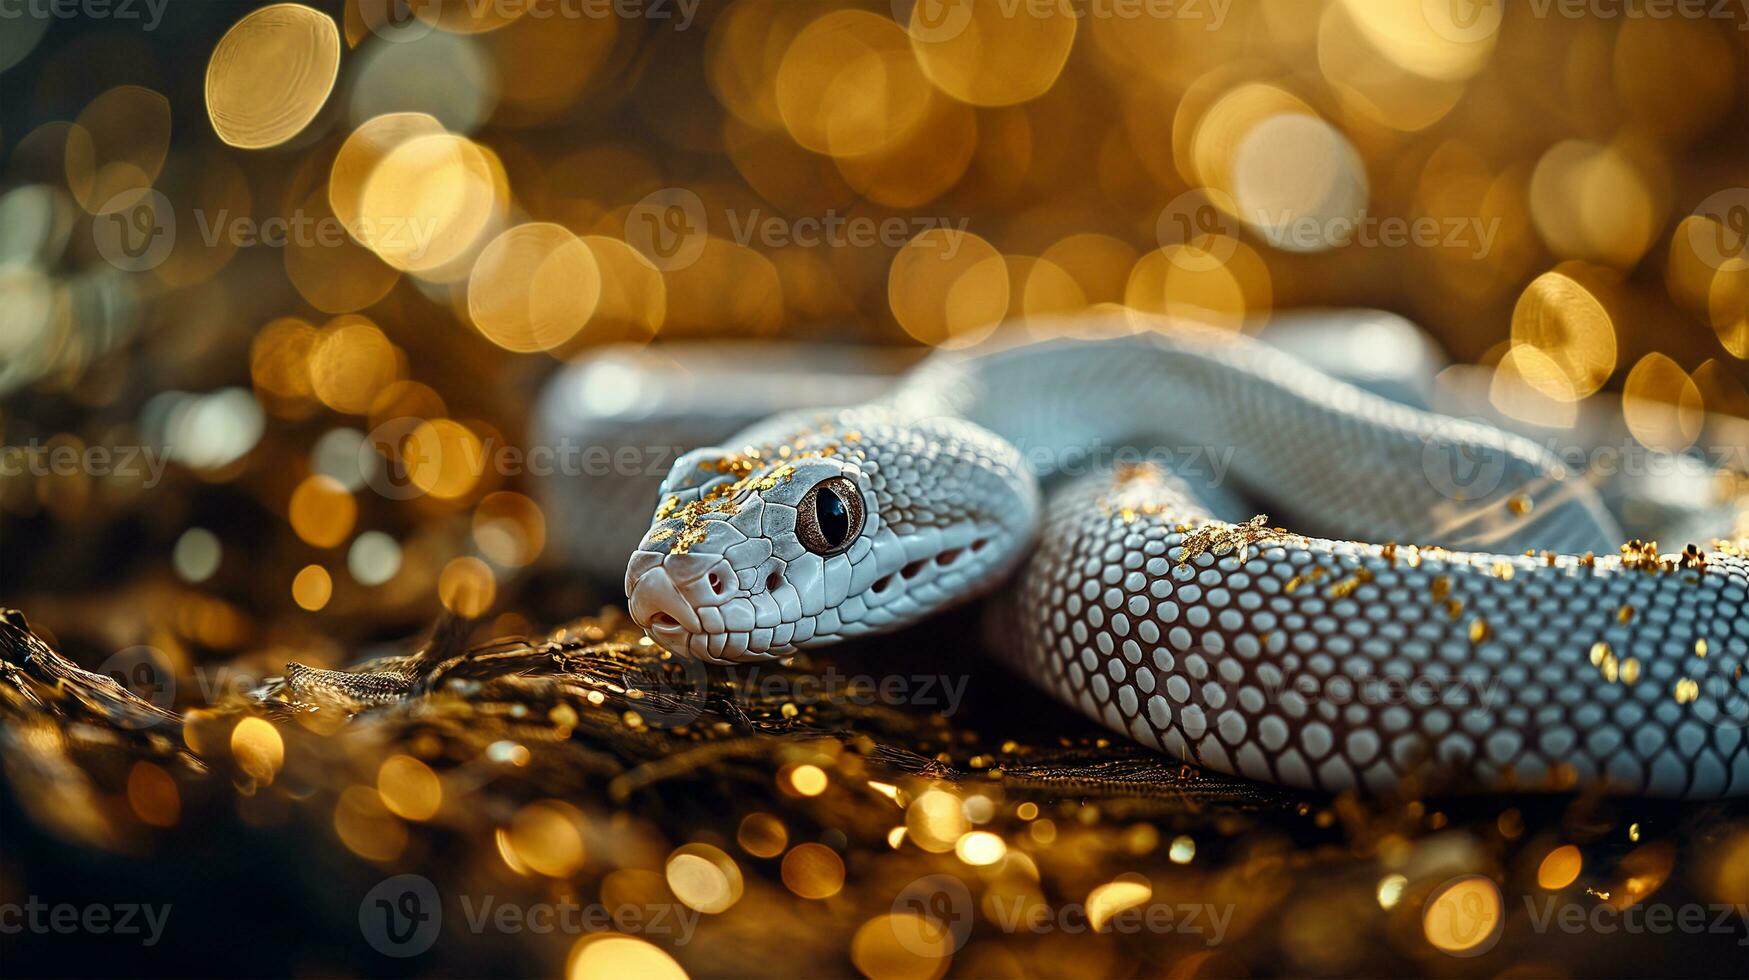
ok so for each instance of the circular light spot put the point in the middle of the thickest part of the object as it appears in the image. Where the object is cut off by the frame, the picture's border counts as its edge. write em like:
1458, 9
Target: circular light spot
197, 555
153, 795
1113, 897
948, 288
409, 788
547, 836
366, 827
980, 847
1560, 868
611, 956
116, 148
441, 457
443, 75
1463, 917
350, 363
994, 54
805, 779
1182, 851
322, 511
849, 84
329, 268
270, 74
312, 587
374, 558
258, 749
364, 149
427, 202
704, 878
902, 946
533, 288
1390, 890
509, 529
934, 821
1661, 404
1299, 183
466, 587
762, 835
813, 871
1563, 321
1592, 202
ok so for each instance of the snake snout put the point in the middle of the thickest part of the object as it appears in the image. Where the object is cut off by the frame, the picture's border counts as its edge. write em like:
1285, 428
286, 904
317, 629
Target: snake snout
658, 602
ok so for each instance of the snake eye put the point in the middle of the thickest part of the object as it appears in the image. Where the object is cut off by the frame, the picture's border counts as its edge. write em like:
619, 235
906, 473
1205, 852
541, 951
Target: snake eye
830, 516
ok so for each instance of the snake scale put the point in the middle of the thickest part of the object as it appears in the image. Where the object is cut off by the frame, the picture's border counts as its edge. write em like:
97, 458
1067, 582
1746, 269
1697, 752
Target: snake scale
1111, 484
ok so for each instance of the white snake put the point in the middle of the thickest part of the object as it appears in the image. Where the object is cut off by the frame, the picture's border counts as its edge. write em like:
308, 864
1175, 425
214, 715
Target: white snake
1144, 597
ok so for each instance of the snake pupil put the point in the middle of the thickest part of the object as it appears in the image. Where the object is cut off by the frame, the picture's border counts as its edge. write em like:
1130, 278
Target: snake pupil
833, 516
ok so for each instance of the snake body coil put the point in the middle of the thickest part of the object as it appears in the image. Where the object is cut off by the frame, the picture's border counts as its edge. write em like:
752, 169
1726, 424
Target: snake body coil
1151, 598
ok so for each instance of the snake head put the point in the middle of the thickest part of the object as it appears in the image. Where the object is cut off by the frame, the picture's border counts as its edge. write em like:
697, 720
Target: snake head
835, 533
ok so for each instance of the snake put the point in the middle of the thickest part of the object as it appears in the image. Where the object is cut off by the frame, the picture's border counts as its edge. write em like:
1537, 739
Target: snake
1207, 545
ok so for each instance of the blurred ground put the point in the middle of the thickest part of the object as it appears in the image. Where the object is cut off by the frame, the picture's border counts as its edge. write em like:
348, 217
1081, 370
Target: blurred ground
767, 825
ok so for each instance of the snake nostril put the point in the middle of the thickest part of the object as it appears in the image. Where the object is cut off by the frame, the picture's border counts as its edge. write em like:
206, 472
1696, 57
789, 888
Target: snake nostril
716, 582
772, 581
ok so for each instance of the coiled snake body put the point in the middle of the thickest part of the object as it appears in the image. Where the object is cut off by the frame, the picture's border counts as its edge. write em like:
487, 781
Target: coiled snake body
1531, 649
